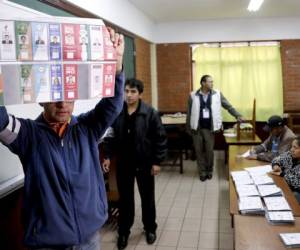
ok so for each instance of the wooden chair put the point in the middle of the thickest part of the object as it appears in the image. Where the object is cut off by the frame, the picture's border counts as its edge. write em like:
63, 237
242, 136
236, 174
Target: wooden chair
176, 145
112, 193
294, 122
251, 121
111, 190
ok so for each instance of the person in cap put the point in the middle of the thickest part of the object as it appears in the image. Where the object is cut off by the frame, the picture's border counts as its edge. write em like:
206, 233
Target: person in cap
279, 141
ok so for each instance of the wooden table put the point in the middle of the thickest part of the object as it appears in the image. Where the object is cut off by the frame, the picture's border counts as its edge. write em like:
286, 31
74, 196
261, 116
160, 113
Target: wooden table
254, 232
239, 163
244, 140
173, 120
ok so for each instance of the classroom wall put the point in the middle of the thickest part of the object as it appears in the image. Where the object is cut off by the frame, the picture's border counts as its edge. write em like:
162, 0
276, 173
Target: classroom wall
247, 29
121, 13
290, 55
234, 29
142, 67
153, 59
243, 29
173, 76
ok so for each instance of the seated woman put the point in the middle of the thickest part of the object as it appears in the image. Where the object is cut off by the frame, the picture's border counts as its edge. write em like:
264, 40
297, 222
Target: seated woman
288, 165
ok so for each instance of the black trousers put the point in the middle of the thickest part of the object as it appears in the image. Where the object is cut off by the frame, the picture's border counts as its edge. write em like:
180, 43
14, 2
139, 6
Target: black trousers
145, 182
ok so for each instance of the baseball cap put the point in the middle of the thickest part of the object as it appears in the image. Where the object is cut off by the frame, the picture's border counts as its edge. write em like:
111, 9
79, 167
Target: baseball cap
273, 122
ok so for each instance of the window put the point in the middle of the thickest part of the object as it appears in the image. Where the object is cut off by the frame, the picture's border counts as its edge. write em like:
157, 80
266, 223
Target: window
242, 72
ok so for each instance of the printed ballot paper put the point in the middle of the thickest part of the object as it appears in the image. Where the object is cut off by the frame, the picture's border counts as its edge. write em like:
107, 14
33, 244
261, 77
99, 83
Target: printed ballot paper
49, 59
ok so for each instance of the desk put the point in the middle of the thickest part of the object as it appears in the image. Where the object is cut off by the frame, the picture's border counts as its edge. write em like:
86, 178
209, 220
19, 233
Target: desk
254, 232
11, 185
175, 129
238, 163
11, 226
244, 140
111, 187
173, 120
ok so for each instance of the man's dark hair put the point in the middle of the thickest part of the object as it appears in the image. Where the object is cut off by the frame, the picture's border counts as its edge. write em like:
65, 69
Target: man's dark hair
203, 79
135, 83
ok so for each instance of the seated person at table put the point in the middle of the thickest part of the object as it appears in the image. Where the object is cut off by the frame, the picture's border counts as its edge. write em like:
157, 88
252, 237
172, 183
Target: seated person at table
288, 165
278, 142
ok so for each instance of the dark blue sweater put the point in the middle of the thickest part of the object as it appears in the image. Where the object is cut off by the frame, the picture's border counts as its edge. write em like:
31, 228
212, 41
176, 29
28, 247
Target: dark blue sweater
64, 194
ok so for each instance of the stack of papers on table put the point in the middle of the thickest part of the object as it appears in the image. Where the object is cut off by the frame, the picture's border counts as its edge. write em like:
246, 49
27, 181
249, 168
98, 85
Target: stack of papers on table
290, 239
230, 135
259, 170
269, 190
277, 204
241, 177
262, 179
280, 217
229, 132
246, 190
251, 205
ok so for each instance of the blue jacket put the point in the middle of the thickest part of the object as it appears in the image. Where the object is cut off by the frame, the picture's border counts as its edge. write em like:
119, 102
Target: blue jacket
64, 193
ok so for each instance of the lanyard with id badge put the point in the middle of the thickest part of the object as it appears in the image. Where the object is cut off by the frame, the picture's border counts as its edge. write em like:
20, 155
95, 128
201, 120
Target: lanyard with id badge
205, 113
205, 102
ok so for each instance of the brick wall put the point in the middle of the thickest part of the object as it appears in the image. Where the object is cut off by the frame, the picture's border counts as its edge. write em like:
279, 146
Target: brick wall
143, 69
174, 76
290, 55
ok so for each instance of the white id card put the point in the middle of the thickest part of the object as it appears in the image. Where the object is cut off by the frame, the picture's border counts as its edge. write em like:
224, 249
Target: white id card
205, 113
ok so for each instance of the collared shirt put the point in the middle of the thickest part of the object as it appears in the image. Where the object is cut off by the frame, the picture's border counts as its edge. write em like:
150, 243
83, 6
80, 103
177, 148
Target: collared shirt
130, 127
205, 107
205, 96
58, 127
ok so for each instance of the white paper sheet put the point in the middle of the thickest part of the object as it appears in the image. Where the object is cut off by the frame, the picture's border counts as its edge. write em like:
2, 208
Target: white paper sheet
277, 204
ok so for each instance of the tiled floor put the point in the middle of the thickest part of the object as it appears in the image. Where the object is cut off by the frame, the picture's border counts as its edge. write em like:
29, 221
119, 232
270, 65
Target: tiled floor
191, 214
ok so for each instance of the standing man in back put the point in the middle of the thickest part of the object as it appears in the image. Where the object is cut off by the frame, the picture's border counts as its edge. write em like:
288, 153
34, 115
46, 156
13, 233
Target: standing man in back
204, 118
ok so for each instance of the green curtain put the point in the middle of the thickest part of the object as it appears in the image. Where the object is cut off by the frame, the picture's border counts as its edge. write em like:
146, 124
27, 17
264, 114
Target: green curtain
242, 74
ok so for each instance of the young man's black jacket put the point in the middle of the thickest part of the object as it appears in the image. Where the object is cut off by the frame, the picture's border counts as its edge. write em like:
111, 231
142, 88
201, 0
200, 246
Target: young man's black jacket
150, 142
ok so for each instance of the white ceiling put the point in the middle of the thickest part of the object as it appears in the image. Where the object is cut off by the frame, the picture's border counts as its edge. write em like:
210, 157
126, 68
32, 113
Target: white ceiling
194, 10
